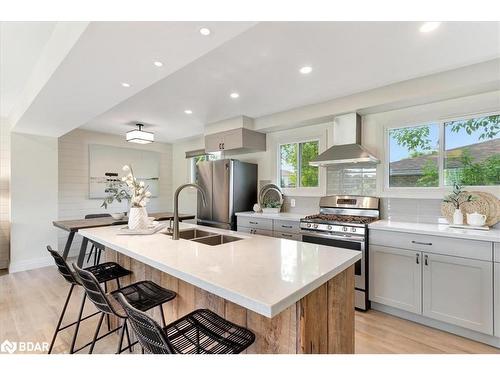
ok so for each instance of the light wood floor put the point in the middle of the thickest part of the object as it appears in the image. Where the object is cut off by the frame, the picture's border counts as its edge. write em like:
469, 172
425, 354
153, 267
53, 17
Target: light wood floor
30, 303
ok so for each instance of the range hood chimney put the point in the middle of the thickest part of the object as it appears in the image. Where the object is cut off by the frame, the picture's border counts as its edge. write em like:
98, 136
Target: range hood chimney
346, 144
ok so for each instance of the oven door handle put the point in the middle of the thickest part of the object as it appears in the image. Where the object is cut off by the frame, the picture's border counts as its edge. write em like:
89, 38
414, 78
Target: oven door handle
333, 237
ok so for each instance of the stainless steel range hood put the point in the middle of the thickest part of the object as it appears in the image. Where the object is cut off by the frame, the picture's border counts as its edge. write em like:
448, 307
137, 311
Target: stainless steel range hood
346, 144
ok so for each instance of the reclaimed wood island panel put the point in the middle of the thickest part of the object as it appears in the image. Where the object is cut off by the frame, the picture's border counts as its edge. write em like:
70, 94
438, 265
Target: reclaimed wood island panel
317, 318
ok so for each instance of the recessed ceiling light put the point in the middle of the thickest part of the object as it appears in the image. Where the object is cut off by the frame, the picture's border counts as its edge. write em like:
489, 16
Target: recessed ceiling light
429, 26
306, 70
234, 95
205, 31
188, 112
158, 64
125, 84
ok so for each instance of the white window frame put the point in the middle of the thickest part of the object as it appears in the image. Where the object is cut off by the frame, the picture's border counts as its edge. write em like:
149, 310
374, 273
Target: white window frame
192, 165
300, 190
433, 190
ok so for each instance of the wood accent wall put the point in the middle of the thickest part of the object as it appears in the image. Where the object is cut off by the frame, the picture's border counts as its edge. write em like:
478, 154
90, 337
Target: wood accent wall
321, 322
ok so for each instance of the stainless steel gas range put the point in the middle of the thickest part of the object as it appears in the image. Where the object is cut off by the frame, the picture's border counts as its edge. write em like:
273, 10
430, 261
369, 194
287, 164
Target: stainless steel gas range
343, 222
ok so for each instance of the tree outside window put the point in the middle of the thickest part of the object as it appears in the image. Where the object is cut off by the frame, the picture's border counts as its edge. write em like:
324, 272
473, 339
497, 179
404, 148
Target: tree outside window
471, 153
294, 168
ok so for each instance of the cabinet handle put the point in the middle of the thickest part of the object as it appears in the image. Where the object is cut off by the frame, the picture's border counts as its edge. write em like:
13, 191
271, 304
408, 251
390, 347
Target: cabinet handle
286, 235
253, 222
422, 243
286, 226
426, 260
418, 258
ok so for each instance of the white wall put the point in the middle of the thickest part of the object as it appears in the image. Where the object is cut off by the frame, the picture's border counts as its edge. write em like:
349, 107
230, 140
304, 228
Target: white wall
372, 138
74, 202
182, 172
33, 200
4, 193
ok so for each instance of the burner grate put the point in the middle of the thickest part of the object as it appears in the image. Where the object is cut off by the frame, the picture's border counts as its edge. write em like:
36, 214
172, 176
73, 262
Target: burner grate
342, 218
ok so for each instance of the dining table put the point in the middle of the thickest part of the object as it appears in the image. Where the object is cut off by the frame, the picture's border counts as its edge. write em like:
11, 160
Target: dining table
73, 226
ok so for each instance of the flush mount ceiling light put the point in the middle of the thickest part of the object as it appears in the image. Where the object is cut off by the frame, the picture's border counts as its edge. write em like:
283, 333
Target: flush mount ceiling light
188, 112
140, 136
305, 70
429, 26
159, 64
234, 95
125, 84
205, 31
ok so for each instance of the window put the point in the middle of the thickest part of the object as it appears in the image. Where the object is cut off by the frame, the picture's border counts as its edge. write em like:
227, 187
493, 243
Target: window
199, 158
465, 151
413, 156
472, 151
294, 168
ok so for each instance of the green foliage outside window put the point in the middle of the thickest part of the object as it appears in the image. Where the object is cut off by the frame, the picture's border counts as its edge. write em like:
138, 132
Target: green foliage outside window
461, 167
295, 170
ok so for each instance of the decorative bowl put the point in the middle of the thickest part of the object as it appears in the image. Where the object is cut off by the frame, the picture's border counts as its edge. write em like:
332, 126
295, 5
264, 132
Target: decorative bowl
118, 215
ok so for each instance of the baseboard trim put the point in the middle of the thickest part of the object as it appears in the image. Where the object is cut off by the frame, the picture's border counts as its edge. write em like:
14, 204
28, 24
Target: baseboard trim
30, 264
450, 328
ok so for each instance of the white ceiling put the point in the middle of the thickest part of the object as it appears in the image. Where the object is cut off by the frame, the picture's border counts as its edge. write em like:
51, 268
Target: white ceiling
88, 81
262, 65
260, 61
21, 44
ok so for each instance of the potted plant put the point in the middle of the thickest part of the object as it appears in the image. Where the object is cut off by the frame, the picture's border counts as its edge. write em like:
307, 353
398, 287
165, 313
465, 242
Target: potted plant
138, 195
271, 206
457, 198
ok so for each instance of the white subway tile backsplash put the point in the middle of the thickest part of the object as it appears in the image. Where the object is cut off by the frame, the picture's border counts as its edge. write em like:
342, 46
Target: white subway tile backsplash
411, 210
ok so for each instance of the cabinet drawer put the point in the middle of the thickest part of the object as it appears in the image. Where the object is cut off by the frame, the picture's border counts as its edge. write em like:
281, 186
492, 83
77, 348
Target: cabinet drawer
262, 232
286, 226
257, 223
496, 252
288, 236
481, 250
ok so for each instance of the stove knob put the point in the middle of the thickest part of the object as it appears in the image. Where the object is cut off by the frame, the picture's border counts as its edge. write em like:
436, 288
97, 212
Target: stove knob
329, 227
315, 226
344, 229
309, 225
353, 230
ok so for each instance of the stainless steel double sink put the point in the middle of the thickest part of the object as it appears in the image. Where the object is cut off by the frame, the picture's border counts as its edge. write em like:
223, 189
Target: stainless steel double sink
205, 237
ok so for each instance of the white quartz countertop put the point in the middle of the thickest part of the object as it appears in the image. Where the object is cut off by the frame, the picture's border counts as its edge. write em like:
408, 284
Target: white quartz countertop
437, 230
263, 274
288, 216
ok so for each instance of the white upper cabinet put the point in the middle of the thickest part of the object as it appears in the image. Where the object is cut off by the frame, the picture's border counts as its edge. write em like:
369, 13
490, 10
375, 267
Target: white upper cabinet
395, 278
236, 140
458, 291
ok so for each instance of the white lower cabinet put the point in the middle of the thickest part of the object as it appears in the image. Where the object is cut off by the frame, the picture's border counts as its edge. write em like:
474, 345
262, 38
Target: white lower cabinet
396, 277
458, 291
496, 287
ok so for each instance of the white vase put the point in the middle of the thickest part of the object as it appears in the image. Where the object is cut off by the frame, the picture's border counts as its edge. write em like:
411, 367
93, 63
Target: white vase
458, 217
138, 218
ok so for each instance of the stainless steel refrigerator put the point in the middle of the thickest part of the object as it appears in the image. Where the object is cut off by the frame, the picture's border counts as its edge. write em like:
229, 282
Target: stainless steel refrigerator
230, 186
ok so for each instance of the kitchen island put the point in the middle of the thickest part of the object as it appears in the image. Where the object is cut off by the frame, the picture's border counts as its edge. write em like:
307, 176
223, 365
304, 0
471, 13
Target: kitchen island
296, 297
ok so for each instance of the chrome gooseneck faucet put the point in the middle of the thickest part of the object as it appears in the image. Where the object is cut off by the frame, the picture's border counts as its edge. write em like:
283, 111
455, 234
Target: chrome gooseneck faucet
175, 235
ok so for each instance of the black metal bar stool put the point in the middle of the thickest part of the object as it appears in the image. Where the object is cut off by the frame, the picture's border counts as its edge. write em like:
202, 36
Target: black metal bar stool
143, 295
103, 273
96, 248
199, 332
